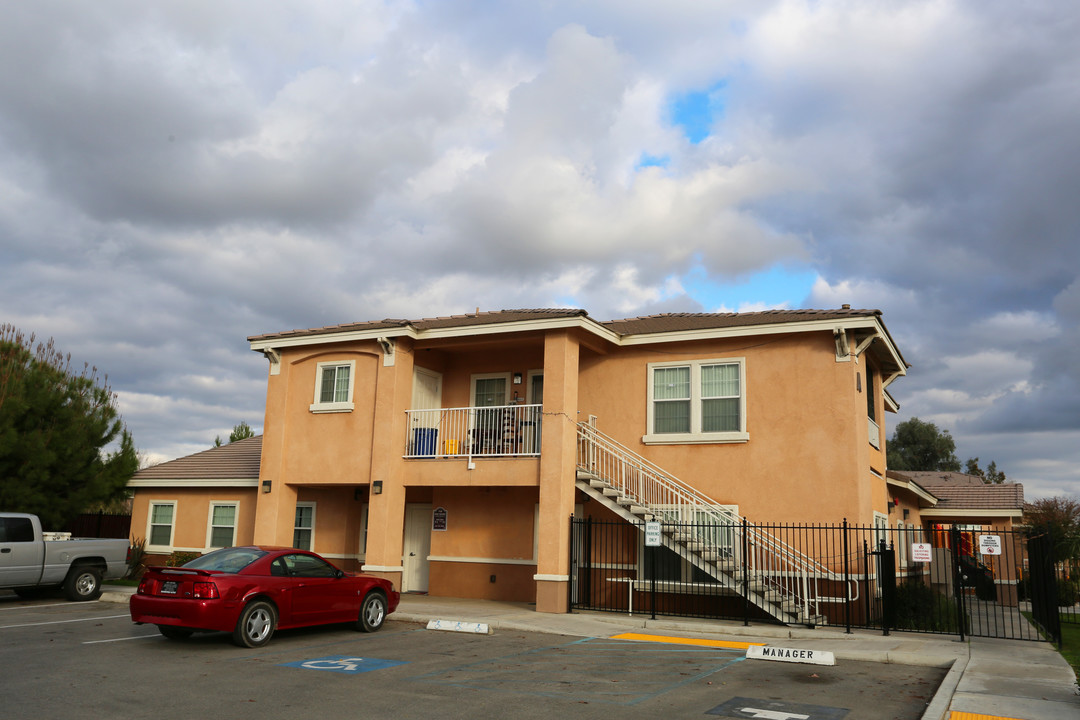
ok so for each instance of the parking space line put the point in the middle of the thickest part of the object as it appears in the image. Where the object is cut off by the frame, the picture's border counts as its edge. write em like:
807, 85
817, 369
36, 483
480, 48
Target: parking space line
36, 607
701, 642
61, 622
136, 637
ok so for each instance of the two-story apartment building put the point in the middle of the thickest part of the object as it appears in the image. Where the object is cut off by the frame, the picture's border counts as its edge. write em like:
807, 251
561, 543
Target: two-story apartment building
449, 454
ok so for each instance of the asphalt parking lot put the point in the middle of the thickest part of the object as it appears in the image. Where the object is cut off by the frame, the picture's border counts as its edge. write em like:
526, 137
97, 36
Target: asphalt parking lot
61, 659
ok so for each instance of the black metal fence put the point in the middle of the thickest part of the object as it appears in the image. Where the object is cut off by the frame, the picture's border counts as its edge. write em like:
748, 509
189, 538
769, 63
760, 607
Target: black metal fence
955, 579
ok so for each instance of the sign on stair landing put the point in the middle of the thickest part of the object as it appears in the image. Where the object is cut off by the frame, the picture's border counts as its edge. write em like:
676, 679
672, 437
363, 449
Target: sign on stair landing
653, 534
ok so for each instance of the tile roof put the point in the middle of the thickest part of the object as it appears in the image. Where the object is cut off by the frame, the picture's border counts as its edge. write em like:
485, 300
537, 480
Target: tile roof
236, 461
667, 322
960, 491
471, 320
676, 322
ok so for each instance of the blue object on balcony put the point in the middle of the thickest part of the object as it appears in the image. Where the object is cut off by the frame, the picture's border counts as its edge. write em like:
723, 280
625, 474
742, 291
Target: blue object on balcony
424, 441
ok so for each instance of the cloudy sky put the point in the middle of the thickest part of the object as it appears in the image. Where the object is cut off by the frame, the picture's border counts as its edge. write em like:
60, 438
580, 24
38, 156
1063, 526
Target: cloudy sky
175, 177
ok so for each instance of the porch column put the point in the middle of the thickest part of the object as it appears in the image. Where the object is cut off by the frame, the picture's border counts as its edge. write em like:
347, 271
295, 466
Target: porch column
386, 510
558, 453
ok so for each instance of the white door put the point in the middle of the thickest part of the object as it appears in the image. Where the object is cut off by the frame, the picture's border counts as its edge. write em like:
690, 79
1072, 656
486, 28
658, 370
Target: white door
426, 401
416, 548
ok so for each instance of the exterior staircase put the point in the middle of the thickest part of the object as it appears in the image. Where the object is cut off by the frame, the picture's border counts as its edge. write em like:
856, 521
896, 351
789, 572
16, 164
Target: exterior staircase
741, 558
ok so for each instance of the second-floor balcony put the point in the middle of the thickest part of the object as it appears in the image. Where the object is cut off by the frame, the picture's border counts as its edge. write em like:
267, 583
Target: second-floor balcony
498, 431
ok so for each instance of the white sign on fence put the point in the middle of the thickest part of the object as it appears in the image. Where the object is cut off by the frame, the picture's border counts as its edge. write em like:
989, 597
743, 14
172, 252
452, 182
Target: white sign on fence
652, 534
921, 552
990, 544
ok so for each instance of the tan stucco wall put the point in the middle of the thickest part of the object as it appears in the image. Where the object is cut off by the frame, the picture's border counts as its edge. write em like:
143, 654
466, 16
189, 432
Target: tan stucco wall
193, 512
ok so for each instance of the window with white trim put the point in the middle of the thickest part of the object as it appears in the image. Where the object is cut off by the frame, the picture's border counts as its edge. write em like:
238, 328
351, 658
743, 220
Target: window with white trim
334, 386
159, 524
697, 401
304, 526
221, 526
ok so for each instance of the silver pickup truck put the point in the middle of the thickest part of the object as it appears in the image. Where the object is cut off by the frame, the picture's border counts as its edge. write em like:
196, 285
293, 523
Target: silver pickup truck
31, 559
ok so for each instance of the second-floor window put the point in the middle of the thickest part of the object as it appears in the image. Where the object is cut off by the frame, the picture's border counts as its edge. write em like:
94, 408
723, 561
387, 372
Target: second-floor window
334, 387
697, 401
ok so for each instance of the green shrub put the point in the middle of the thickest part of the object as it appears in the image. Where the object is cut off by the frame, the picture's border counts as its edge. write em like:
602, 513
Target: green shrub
178, 558
1068, 592
919, 607
136, 558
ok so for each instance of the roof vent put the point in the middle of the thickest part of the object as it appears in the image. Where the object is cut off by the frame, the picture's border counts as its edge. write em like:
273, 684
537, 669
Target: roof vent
845, 306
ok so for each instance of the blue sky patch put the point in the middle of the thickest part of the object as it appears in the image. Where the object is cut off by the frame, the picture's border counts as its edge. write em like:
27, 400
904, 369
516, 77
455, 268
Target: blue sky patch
696, 112
776, 287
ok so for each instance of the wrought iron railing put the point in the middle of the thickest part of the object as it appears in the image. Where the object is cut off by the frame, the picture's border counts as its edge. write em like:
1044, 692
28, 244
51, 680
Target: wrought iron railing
499, 431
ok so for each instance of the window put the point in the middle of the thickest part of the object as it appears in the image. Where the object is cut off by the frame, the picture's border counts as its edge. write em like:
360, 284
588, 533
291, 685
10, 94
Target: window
698, 401
872, 428
334, 387
304, 526
159, 532
222, 525
13, 530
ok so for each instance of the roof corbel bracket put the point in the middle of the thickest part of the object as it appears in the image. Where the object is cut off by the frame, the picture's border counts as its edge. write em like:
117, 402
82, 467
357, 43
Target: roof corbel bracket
275, 360
843, 349
865, 343
388, 348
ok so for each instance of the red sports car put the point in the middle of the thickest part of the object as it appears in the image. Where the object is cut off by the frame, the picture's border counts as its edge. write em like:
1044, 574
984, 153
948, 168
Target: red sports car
251, 591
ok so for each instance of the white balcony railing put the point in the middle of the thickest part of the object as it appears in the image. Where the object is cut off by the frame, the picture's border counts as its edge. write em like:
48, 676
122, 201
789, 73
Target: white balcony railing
500, 431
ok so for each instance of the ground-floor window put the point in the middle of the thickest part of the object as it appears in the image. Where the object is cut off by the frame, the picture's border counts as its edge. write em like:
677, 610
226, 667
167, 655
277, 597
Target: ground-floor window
304, 526
222, 525
159, 533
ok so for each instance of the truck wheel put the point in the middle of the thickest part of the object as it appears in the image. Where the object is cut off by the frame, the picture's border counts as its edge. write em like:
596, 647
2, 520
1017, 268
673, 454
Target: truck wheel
372, 612
83, 583
256, 625
175, 633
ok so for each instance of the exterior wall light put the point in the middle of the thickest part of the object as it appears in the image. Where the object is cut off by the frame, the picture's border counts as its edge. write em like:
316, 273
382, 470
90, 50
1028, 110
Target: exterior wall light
376, 487
265, 486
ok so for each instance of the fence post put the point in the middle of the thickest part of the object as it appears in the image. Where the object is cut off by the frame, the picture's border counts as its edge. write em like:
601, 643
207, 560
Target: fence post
954, 553
866, 575
847, 581
746, 575
573, 574
887, 581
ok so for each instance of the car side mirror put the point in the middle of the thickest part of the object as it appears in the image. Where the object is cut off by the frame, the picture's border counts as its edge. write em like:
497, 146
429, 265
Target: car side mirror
339, 574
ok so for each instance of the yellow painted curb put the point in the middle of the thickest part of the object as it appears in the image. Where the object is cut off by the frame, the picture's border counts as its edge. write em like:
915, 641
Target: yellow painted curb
684, 641
976, 716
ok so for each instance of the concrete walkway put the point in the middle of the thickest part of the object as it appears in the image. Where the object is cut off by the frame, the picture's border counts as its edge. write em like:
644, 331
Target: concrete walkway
986, 679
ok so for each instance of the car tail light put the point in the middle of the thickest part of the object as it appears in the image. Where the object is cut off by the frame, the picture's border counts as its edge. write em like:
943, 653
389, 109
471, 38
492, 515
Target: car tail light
204, 591
144, 586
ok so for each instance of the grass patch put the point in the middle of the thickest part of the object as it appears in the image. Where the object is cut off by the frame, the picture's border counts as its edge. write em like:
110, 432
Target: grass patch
1070, 640
122, 581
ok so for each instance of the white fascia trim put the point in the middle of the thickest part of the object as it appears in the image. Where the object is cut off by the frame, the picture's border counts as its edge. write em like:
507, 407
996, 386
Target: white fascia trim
382, 568
194, 483
587, 324
945, 512
913, 488
551, 578
743, 331
481, 560
890, 402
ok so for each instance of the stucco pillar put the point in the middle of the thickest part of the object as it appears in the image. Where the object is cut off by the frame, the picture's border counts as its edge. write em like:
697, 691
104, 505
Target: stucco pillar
275, 511
386, 510
558, 452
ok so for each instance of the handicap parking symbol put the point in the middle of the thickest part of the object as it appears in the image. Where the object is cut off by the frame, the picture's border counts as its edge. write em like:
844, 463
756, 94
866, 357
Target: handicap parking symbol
344, 664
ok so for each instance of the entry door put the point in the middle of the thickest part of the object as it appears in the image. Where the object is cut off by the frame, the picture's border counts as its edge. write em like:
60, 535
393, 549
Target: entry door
416, 547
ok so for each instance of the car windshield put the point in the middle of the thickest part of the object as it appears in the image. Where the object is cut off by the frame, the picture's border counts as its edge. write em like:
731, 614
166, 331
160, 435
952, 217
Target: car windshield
228, 560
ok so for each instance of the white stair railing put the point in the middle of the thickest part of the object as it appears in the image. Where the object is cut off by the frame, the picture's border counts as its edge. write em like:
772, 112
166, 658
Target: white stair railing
779, 572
